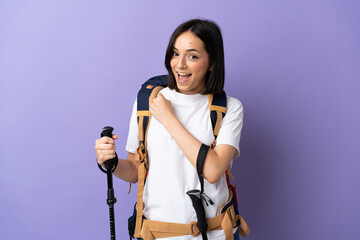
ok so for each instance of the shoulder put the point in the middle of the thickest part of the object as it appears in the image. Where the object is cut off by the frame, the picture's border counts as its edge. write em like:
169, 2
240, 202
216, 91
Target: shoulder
165, 91
233, 105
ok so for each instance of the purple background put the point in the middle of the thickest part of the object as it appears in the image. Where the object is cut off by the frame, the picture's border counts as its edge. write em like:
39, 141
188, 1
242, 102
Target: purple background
68, 68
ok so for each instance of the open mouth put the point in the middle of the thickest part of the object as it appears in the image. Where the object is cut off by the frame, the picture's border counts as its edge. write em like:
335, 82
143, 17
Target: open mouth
183, 77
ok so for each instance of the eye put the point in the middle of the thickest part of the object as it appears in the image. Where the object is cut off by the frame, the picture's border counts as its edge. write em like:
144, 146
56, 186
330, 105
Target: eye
193, 57
175, 54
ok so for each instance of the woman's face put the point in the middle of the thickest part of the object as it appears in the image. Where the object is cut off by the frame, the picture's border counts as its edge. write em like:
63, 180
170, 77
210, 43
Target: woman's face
190, 63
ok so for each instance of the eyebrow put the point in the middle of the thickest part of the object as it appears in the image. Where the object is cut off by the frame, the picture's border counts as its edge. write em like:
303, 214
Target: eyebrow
188, 50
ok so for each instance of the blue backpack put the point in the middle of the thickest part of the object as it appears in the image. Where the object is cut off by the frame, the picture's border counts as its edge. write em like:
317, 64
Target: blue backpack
142, 228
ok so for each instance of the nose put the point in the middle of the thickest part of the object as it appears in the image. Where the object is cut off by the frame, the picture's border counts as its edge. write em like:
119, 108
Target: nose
181, 62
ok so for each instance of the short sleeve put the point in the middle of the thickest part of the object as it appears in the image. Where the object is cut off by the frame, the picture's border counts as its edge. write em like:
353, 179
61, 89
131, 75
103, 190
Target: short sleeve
231, 125
133, 137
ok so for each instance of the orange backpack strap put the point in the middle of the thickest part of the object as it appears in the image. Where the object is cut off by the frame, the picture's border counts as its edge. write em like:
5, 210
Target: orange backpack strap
226, 220
217, 108
146, 95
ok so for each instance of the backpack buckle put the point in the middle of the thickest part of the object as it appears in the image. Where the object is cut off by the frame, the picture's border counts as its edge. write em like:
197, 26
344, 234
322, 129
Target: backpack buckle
139, 155
194, 228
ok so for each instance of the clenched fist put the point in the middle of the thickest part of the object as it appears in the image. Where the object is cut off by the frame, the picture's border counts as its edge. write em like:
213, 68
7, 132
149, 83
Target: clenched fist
162, 109
105, 149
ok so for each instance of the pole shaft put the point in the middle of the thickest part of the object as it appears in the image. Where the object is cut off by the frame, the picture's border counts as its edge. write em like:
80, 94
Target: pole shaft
112, 221
110, 201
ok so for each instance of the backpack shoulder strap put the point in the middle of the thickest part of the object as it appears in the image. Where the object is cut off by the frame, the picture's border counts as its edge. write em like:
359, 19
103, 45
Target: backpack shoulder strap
217, 108
146, 95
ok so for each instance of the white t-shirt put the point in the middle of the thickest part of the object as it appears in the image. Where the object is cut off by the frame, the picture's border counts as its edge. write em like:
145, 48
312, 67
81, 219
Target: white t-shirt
170, 173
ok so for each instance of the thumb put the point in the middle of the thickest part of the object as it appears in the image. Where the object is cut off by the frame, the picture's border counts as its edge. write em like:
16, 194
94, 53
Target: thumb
160, 95
115, 137
162, 98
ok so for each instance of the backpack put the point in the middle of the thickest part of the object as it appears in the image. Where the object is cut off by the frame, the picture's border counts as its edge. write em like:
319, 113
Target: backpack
141, 227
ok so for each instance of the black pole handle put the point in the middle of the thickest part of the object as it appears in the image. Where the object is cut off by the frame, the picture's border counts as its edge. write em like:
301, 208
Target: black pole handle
111, 163
107, 131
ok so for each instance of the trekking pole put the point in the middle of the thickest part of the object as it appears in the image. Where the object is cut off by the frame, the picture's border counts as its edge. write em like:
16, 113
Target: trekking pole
110, 166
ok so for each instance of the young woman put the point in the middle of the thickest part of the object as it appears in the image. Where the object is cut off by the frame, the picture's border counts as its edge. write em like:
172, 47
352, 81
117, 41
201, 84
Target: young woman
180, 124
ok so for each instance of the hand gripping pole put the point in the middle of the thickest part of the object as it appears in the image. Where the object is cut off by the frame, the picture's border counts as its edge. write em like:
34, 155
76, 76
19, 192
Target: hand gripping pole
110, 166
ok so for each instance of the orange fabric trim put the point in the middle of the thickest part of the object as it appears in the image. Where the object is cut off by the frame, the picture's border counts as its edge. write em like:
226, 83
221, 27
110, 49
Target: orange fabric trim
244, 229
210, 98
213, 144
227, 227
153, 94
158, 229
144, 113
129, 188
142, 168
140, 203
141, 128
218, 123
218, 108
230, 175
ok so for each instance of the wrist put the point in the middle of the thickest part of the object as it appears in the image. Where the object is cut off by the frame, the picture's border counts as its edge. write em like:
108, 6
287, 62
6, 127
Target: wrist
172, 122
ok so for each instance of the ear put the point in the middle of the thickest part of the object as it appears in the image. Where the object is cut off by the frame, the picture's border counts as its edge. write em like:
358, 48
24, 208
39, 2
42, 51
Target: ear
210, 68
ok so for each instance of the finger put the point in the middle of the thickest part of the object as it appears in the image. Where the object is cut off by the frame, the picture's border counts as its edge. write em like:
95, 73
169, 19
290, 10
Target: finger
154, 101
152, 105
102, 153
115, 137
106, 140
100, 147
107, 152
152, 108
104, 157
162, 98
158, 98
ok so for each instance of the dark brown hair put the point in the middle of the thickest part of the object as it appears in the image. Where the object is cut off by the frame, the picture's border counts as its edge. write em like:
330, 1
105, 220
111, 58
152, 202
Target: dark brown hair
210, 34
